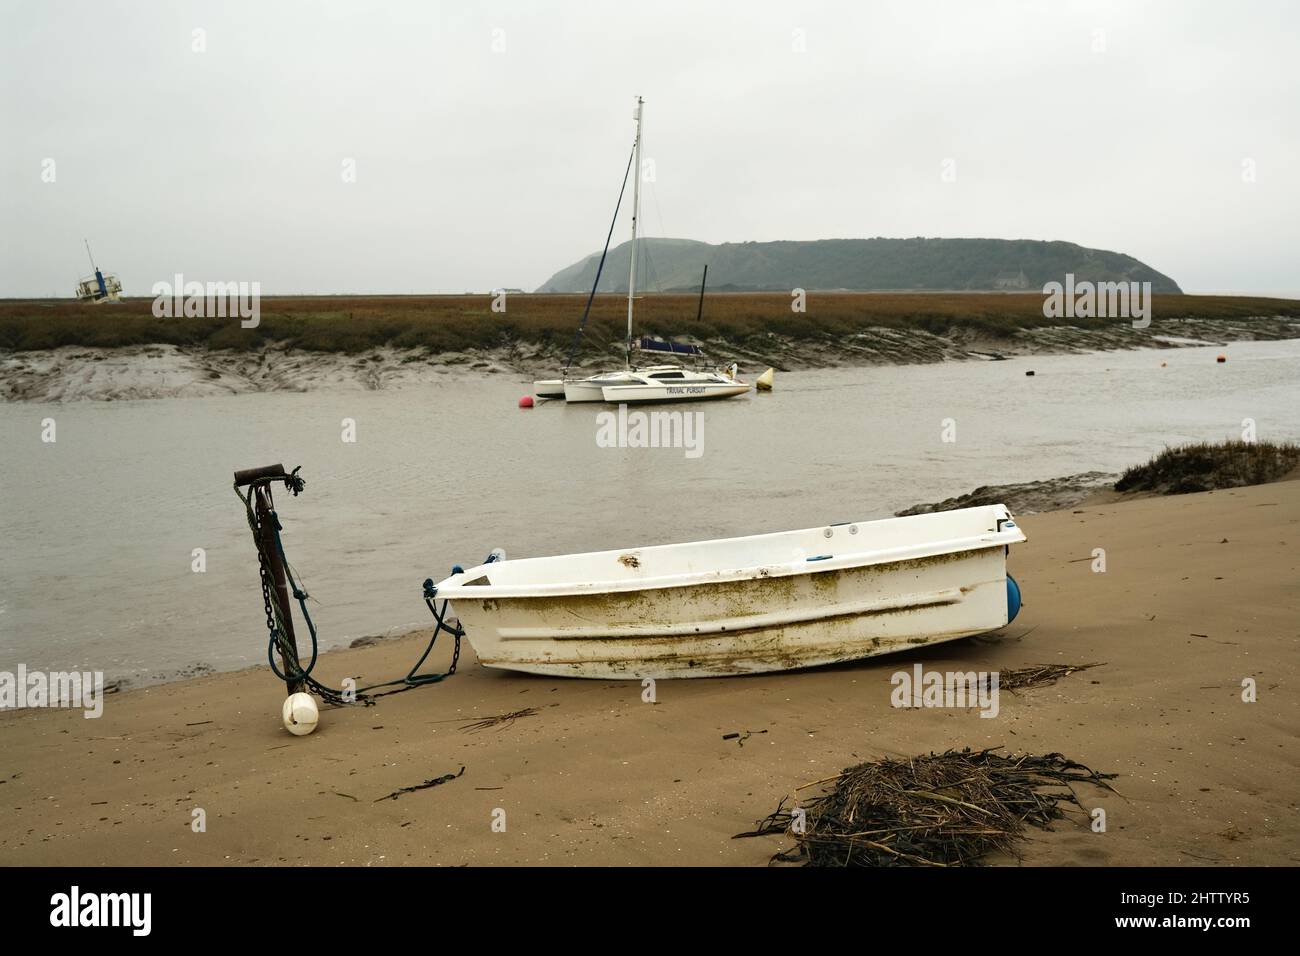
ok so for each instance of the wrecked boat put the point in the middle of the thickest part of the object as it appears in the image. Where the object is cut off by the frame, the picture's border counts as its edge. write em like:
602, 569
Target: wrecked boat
747, 605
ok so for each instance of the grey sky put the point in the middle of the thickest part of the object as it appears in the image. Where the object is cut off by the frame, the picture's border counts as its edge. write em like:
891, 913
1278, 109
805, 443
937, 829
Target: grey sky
477, 169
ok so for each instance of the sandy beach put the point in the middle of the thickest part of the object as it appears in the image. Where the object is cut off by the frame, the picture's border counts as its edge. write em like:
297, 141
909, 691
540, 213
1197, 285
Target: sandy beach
1200, 592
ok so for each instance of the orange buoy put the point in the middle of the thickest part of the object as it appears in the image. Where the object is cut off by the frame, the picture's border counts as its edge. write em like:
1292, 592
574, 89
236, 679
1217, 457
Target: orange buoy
526, 402
1221, 359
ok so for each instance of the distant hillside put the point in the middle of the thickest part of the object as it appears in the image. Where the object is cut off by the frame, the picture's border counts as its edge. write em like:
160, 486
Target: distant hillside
1005, 265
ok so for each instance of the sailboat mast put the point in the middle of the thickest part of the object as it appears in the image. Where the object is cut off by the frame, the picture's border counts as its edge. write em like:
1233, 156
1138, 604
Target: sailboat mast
636, 212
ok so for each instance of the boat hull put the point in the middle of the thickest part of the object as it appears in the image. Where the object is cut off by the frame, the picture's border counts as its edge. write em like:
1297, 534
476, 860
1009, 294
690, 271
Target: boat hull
549, 388
583, 391
591, 389
753, 621
685, 392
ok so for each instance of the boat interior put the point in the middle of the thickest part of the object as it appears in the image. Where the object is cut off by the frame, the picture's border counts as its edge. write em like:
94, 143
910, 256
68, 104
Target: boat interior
778, 554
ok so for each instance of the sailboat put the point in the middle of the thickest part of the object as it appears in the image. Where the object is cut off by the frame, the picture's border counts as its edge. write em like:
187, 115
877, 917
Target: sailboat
634, 382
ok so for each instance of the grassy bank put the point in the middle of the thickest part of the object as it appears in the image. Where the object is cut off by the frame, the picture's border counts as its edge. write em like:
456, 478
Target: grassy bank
1182, 469
456, 323
1207, 466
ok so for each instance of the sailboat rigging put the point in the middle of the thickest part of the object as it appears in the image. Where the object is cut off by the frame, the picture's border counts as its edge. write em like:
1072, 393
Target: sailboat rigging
634, 383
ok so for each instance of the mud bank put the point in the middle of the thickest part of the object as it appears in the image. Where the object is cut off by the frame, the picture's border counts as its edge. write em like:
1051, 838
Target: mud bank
1026, 497
77, 373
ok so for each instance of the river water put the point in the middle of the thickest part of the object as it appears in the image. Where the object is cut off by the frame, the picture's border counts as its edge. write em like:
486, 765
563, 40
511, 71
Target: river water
99, 527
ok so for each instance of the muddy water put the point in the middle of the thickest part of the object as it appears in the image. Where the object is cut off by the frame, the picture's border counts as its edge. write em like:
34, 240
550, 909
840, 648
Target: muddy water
99, 527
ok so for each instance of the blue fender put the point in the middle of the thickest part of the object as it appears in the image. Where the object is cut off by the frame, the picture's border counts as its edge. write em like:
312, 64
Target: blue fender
1013, 599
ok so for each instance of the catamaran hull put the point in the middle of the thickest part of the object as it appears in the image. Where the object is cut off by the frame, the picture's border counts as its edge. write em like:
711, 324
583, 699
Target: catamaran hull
583, 391
689, 392
726, 623
549, 388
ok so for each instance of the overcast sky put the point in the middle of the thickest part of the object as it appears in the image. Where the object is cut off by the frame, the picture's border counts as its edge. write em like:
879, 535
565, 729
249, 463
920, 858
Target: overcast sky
489, 138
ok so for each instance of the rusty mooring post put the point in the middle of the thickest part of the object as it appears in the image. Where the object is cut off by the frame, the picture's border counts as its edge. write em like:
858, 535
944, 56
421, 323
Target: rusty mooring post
270, 553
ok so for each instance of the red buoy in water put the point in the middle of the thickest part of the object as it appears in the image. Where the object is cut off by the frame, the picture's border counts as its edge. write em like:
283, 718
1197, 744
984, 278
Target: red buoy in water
526, 402
1222, 358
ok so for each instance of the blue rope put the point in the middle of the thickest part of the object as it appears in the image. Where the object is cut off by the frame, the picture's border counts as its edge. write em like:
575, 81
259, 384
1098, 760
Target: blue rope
411, 679
301, 596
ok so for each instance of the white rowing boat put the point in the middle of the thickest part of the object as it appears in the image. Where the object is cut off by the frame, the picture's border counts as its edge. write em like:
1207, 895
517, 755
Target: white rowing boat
768, 602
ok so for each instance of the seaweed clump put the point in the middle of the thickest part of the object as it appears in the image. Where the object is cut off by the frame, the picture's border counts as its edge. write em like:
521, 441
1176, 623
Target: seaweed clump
948, 809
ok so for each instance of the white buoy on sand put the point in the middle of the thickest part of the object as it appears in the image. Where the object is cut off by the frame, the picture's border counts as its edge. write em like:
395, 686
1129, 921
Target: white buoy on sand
300, 714
764, 381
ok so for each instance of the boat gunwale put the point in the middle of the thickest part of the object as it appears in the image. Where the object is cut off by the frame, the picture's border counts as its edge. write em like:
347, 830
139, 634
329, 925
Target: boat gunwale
453, 589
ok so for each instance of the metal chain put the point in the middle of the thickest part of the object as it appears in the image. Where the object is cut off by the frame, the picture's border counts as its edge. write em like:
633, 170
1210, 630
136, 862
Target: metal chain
292, 666
455, 654
266, 592
262, 572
